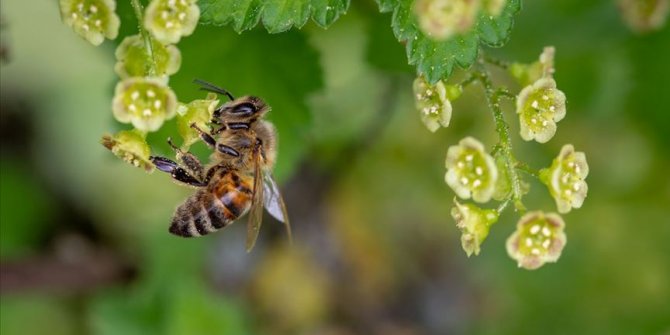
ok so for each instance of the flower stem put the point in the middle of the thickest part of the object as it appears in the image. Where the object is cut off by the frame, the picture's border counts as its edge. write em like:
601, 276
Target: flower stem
137, 6
521, 166
494, 61
505, 141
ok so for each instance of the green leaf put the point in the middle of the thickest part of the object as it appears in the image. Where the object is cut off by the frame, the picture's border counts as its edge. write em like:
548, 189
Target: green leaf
277, 15
436, 59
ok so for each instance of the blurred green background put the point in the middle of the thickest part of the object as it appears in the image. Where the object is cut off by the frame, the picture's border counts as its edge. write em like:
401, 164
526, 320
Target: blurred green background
84, 247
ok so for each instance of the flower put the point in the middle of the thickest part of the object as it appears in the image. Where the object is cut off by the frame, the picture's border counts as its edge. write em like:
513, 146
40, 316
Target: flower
540, 106
644, 15
433, 103
471, 171
538, 239
144, 102
130, 146
527, 74
442, 19
494, 7
91, 19
198, 112
133, 59
169, 20
474, 223
565, 179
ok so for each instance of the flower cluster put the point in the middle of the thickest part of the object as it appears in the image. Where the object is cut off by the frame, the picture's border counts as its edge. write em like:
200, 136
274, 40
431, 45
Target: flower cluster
474, 223
538, 239
169, 20
144, 102
471, 172
565, 179
93, 20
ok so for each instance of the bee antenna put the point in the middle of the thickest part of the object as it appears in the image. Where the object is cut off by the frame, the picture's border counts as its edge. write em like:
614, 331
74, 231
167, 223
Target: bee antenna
209, 87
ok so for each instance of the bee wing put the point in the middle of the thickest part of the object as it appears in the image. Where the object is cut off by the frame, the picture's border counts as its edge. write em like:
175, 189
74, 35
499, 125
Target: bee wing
274, 203
256, 211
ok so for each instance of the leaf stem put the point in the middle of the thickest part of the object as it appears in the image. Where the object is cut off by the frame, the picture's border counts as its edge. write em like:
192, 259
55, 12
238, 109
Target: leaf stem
137, 6
494, 61
505, 141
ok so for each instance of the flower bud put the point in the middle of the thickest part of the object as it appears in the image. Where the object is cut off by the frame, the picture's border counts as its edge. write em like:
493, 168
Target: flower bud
130, 146
474, 223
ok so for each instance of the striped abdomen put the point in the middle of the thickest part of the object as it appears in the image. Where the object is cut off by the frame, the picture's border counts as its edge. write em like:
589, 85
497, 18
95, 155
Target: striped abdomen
214, 207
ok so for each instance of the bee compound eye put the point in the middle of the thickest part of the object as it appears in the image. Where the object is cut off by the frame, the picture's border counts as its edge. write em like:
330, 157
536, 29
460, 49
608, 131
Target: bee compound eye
244, 109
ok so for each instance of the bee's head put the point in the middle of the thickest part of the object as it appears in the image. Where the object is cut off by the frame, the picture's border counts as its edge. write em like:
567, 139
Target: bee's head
241, 109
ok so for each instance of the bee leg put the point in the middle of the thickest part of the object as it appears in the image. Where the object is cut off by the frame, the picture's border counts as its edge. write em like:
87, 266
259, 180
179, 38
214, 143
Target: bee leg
207, 138
188, 161
178, 173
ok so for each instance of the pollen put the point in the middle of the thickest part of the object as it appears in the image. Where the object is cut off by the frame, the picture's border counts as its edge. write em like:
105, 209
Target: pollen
135, 95
546, 243
535, 229
535, 251
147, 112
464, 181
169, 24
476, 183
469, 158
93, 9
546, 231
98, 23
157, 103
85, 27
151, 93
534, 104
533, 120
545, 123
529, 241
165, 14
132, 107
479, 171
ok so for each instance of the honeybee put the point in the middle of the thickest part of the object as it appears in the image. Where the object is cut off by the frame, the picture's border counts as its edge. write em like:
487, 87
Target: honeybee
238, 179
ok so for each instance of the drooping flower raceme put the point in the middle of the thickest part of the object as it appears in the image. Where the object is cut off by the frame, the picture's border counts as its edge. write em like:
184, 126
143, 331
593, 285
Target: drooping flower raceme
144, 102
471, 172
474, 223
198, 112
540, 106
130, 146
442, 19
132, 58
94, 20
433, 104
538, 239
169, 20
565, 179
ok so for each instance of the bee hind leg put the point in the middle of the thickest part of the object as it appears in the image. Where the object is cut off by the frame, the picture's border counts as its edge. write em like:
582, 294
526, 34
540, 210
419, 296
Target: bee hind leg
177, 172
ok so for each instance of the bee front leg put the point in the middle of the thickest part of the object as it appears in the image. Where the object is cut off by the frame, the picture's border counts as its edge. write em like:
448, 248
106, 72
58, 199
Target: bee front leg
189, 162
177, 172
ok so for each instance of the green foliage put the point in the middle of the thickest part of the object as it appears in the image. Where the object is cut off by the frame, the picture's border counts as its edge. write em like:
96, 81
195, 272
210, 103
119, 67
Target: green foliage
277, 15
436, 59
